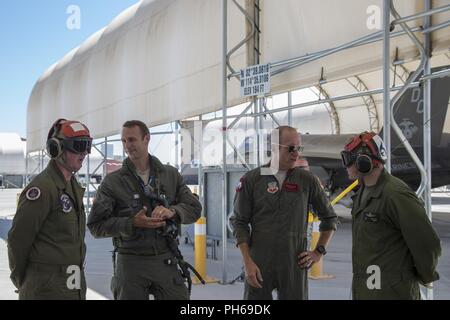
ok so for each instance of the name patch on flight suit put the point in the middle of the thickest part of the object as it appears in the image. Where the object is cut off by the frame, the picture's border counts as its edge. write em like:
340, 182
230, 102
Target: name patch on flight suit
272, 187
66, 203
291, 187
371, 217
33, 193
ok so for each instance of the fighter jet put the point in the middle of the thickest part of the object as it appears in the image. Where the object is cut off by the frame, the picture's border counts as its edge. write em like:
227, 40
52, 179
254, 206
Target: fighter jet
323, 151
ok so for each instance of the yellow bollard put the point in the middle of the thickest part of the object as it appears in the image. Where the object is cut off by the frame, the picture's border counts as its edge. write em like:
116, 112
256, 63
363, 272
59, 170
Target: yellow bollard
200, 252
316, 272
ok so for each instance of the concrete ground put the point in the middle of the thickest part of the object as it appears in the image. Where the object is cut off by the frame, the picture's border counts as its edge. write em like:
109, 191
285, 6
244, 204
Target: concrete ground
337, 262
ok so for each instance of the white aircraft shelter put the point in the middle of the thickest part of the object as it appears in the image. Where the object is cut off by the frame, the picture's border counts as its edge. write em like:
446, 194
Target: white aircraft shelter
12, 160
165, 61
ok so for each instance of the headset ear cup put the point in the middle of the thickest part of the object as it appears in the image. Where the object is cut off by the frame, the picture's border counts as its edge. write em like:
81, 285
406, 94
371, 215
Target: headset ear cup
55, 128
54, 148
364, 164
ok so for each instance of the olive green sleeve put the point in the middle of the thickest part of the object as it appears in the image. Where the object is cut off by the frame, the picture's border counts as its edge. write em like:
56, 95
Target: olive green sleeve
408, 212
101, 222
187, 207
27, 222
323, 209
242, 211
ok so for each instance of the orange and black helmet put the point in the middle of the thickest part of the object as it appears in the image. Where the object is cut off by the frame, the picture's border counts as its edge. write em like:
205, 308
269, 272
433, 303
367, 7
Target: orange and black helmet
68, 135
367, 143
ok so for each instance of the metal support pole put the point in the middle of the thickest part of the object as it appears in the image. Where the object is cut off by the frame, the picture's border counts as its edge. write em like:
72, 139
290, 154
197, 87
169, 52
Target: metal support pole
243, 113
439, 26
264, 108
397, 96
427, 123
200, 167
177, 145
224, 141
426, 14
435, 75
256, 142
386, 83
88, 184
290, 110
25, 179
440, 74
368, 39
261, 145
105, 158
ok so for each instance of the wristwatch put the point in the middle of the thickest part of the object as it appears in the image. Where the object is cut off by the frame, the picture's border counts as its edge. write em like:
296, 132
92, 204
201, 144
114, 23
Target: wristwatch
321, 249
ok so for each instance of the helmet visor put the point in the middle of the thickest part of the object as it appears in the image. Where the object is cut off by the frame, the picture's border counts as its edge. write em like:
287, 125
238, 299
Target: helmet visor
348, 158
78, 145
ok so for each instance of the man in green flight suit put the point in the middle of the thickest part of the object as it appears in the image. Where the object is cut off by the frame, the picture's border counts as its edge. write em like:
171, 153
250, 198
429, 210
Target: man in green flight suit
125, 210
270, 222
46, 246
394, 244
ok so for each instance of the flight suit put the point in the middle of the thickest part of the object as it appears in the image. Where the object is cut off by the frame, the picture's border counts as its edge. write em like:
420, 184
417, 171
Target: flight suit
46, 246
278, 218
142, 267
393, 240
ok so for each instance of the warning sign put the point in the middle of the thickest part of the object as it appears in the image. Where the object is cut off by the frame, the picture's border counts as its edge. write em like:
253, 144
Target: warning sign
255, 80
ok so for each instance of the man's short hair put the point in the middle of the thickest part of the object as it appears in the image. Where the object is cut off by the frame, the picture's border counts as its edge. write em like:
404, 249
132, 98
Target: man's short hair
142, 126
280, 130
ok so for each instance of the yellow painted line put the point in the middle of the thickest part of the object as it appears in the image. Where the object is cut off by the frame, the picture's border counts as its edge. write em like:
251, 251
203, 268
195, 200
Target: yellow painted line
344, 193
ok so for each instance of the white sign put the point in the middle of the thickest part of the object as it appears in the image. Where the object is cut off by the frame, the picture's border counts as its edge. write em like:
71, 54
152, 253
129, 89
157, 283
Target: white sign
255, 80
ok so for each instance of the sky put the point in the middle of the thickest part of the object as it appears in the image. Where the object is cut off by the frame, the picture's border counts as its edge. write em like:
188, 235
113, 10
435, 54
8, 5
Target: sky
34, 35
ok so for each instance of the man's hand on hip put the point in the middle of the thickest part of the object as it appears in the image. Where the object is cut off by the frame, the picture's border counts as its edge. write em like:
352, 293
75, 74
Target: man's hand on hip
307, 259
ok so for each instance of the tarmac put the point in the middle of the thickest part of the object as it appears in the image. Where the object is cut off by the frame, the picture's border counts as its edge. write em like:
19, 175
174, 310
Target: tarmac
337, 261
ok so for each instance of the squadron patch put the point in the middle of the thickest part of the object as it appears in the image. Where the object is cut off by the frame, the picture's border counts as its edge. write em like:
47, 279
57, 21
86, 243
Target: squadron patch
33, 193
66, 203
272, 187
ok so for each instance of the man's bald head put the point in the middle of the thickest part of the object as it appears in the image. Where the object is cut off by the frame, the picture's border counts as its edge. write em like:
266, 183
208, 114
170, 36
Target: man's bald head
284, 131
286, 150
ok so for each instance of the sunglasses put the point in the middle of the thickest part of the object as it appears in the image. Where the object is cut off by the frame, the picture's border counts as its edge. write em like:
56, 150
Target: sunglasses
78, 145
292, 149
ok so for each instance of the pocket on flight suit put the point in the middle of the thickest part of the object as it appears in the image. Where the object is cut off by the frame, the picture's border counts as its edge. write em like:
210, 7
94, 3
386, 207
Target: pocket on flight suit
181, 291
292, 198
372, 230
65, 287
178, 279
403, 289
39, 285
67, 222
170, 284
137, 233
